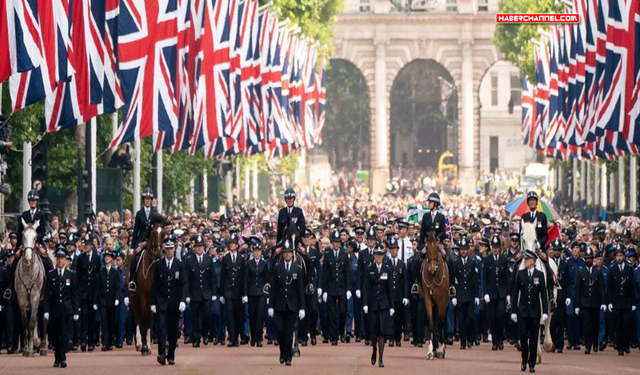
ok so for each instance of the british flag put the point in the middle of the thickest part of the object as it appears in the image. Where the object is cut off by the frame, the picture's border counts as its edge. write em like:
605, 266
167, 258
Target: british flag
527, 106
541, 95
249, 77
148, 54
634, 112
20, 45
321, 98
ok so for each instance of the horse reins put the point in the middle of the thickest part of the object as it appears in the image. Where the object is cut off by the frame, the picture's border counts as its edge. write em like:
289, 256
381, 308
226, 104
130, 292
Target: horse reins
434, 283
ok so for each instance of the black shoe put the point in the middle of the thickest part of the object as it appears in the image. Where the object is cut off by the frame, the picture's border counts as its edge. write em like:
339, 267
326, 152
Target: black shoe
287, 362
325, 341
358, 339
380, 363
576, 347
469, 344
595, 348
342, 339
275, 342
348, 340
171, 362
587, 351
477, 343
398, 343
532, 369
83, 347
63, 364
463, 346
281, 359
559, 350
603, 346
105, 348
373, 357
161, 360
56, 364
419, 345
91, 348
367, 342
259, 344
620, 353
628, 351
196, 344
501, 346
314, 341
334, 343
304, 343
118, 346
269, 342
494, 347
75, 347
391, 344
205, 340
187, 340
244, 341
523, 367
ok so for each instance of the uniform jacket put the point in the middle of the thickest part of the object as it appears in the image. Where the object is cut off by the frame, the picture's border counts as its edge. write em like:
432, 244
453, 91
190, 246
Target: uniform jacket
142, 226
61, 294
620, 289
399, 279
429, 225
200, 282
167, 290
287, 291
88, 274
527, 294
336, 274
26, 216
563, 279
378, 288
108, 287
465, 279
589, 287
232, 277
365, 259
255, 278
495, 276
284, 218
541, 226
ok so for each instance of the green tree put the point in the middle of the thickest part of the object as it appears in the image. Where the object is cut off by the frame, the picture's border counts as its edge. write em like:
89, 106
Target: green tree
514, 40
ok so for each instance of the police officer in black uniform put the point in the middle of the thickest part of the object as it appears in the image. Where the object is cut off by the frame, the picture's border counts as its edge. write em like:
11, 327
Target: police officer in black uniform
432, 221
621, 298
31, 216
255, 279
529, 289
168, 300
107, 299
287, 300
200, 288
141, 228
61, 304
466, 283
309, 326
589, 298
495, 283
232, 289
289, 214
88, 268
559, 317
400, 291
535, 216
336, 280
365, 259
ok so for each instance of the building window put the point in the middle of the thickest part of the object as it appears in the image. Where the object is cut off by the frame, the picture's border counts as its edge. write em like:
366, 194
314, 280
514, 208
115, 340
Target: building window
452, 5
494, 90
365, 6
516, 89
483, 5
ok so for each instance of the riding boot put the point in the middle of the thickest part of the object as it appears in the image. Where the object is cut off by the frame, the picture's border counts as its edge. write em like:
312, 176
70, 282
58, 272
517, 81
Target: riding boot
416, 273
381, 340
133, 272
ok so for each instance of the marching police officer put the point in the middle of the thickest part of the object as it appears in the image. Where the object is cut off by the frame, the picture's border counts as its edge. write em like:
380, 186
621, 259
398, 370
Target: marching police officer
31, 216
168, 301
529, 289
336, 280
289, 214
559, 318
365, 259
309, 326
400, 291
466, 283
232, 289
200, 288
589, 298
107, 299
61, 304
286, 300
141, 228
495, 283
88, 268
255, 279
622, 299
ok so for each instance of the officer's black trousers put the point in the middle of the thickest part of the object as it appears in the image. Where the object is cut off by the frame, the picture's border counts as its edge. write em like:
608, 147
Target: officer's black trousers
256, 317
529, 329
88, 334
285, 320
623, 323
465, 321
398, 319
167, 329
309, 325
201, 316
337, 308
591, 326
497, 316
558, 323
108, 324
418, 319
235, 318
59, 336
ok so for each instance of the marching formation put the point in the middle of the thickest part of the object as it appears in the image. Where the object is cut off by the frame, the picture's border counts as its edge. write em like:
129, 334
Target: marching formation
357, 274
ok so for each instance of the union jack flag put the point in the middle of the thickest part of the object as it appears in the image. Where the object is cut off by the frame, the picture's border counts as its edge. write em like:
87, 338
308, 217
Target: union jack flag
321, 98
20, 41
528, 113
634, 112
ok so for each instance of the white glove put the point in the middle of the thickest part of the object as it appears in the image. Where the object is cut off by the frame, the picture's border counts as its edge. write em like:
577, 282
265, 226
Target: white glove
633, 308
365, 309
153, 309
0, 307
611, 307
182, 306
508, 300
301, 314
454, 301
545, 317
514, 317
348, 294
214, 298
567, 302
126, 301
319, 292
477, 301
577, 310
75, 317
391, 312
117, 303
46, 316
603, 308
405, 302
358, 294
245, 299
222, 300
188, 300
324, 297
95, 307
270, 312
487, 299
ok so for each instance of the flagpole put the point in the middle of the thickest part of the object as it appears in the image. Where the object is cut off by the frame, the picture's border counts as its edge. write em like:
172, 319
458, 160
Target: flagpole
633, 184
136, 176
26, 173
603, 189
622, 204
94, 174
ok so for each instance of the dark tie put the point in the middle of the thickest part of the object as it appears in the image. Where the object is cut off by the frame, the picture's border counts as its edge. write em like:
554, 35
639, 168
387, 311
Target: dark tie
60, 272
530, 275
200, 259
464, 262
233, 258
169, 266
402, 249
288, 265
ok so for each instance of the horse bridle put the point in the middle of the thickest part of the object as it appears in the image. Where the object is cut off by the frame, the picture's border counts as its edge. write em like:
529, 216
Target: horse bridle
435, 273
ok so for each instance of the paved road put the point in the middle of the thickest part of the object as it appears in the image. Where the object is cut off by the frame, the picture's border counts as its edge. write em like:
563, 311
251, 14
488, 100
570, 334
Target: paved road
322, 359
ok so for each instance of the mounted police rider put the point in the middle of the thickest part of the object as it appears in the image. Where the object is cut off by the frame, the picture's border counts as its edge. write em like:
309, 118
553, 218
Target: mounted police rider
141, 229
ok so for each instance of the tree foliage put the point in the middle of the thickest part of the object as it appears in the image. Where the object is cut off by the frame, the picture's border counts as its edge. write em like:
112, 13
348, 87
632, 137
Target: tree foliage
514, 40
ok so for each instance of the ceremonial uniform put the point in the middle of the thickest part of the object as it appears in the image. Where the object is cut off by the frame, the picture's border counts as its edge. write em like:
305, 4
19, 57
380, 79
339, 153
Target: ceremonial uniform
61, 304
255, 279
107, 299
365, 260
378, 296
168, 297
200, 285
400, 293
309, 326
466, 283
286, 216
31, 217
88, 268
559, 317
432, 221
232, 289
495, 288
541, 226
336, 278
589, 298
286, 303
621, 298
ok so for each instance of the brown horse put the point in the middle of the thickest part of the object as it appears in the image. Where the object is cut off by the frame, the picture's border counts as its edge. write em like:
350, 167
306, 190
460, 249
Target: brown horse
140, 300
434, 287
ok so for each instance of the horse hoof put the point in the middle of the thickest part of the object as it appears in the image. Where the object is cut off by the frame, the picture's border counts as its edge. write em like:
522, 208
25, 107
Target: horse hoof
43, 352
138, 347
30, 354
296, 354
429, 356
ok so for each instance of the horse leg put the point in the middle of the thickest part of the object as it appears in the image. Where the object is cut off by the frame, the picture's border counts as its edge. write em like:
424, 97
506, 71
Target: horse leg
442, 313
35, 303
26, 338
428, 307
138, 338
43, 343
